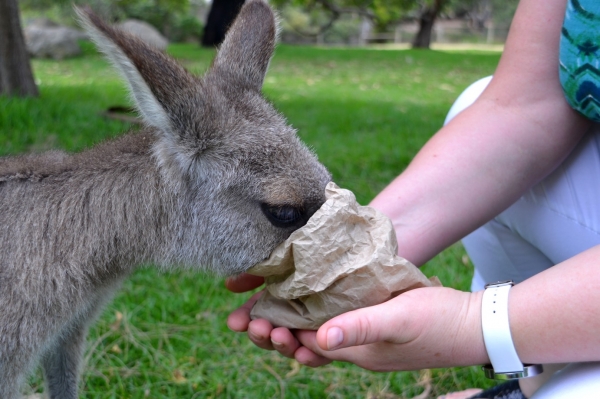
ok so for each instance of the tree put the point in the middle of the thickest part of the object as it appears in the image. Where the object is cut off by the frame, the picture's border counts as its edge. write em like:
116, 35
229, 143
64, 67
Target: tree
16, 77
381, 13
322, 14
222, 13
480, 12
427, 16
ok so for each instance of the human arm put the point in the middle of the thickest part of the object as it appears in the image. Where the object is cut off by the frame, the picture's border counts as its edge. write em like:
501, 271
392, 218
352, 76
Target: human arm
516, 133
553, 319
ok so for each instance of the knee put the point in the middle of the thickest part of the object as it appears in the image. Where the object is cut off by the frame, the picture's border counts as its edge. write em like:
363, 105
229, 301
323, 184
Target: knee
467, 97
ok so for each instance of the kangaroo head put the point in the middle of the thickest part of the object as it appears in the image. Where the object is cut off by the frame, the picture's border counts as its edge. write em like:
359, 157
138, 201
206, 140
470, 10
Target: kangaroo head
244, 180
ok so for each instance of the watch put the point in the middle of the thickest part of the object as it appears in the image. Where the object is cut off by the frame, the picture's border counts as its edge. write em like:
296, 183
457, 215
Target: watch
506, 364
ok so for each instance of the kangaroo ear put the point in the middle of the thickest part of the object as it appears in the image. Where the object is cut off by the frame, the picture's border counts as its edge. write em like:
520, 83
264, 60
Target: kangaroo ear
153, 77
248, 46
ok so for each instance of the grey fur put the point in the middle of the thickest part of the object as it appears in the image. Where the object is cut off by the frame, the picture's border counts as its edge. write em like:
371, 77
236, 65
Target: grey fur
193, 189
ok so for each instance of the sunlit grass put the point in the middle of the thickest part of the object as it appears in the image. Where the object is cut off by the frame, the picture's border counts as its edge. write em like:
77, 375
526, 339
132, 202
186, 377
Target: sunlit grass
364, 112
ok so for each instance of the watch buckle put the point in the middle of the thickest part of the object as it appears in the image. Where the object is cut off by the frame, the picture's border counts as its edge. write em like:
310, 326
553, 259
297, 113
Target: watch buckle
529, 370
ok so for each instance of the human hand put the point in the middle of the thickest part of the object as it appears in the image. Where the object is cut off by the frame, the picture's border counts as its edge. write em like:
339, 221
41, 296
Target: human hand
261, 332
422, 328
239, 319
244, 282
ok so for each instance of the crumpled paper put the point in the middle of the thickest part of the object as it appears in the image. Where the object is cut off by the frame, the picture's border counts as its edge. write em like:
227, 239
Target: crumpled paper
343, 259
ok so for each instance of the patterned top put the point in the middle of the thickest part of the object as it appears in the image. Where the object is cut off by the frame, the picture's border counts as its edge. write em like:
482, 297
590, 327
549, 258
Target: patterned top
580, 57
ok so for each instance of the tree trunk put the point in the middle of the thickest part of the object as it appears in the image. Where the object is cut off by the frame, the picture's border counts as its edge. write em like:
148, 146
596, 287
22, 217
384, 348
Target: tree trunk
221, 16
426, 21
16, 77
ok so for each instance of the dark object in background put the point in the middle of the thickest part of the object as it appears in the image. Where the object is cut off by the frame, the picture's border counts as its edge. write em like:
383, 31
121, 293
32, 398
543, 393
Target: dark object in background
221, 16
16, 77
123, 113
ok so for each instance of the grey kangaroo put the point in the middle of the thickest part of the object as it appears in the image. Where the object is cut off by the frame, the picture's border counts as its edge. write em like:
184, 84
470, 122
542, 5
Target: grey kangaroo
215, 181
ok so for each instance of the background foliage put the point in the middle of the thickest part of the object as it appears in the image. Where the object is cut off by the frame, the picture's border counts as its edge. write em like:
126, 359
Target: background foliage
178, 20
339, 21
385, 15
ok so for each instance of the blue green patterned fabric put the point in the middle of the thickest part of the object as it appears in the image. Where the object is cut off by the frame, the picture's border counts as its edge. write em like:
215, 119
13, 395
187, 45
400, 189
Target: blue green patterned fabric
580, 57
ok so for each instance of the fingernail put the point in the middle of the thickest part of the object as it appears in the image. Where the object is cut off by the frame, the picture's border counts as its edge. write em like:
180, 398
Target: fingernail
255, 337
335, 337
277, 345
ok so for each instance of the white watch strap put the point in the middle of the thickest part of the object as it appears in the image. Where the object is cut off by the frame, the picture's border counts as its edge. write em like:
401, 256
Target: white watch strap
500, 347
496, 329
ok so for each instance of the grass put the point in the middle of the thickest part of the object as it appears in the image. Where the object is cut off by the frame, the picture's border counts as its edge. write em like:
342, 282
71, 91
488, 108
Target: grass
364, 112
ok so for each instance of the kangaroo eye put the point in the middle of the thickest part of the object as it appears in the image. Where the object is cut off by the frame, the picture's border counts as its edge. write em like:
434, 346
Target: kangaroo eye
282, 215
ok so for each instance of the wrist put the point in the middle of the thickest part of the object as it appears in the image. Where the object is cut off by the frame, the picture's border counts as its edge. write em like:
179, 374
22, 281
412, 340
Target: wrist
469, 347
473, 345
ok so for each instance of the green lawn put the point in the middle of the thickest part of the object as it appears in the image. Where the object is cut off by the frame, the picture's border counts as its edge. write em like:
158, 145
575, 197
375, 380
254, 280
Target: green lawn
365, 113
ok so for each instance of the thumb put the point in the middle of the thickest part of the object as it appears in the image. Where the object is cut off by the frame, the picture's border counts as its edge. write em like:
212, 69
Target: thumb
358, 327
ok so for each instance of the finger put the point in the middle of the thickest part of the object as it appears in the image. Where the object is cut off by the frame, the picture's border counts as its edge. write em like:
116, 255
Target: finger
284, 341
359, 327
309, 352
308, 358
316, 356
259, 332
244, 282
239, 319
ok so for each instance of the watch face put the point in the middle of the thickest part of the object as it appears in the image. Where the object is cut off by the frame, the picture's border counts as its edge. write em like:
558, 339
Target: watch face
499, 283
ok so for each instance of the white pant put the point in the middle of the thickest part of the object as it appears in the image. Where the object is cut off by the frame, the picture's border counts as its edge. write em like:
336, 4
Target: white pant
553, 221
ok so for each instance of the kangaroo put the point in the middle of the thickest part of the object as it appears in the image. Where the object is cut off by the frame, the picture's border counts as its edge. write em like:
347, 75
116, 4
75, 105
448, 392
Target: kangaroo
214, 181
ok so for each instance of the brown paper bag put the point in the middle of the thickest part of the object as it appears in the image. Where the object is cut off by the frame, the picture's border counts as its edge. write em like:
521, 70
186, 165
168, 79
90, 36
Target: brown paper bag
343, 259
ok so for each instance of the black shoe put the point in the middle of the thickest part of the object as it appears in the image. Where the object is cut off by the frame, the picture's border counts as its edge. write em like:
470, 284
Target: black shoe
507, 390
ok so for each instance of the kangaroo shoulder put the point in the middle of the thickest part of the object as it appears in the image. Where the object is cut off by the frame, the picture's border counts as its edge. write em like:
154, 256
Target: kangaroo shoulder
32, 167
37, 167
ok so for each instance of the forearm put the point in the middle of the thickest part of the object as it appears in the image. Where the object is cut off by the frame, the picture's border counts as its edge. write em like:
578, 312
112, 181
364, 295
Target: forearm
463, 177
554, 316
515, 134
